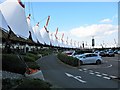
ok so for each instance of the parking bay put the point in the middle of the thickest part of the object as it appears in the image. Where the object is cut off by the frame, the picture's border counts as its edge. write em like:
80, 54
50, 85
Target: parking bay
110, 66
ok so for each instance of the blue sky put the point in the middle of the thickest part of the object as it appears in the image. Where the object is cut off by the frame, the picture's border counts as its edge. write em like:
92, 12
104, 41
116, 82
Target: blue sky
67, 15
78, 19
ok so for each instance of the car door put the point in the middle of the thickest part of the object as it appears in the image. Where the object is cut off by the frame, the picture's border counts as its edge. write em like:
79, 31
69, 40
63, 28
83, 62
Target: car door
93, 58
87, 59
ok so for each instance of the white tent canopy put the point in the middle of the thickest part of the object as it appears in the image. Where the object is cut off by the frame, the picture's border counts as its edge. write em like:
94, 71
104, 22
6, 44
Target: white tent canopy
37, 33
15, 17
52, 40
55, 42
45, 36
3, 23
34, 38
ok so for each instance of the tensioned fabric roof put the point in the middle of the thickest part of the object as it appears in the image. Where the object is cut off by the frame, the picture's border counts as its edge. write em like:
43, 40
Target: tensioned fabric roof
34, 38
38, 34
3, 23
14, 15
45, 35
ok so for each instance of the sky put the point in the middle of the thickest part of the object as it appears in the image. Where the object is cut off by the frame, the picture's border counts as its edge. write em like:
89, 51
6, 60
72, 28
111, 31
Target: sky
79, 21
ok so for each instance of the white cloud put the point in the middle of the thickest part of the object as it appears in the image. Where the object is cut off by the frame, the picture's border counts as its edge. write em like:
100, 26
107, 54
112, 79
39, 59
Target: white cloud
84, 33
94, 30
107, 20
100, 31
115, 16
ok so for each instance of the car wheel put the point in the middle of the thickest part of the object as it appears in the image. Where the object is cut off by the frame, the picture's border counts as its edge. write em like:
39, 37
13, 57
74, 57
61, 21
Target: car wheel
98, 62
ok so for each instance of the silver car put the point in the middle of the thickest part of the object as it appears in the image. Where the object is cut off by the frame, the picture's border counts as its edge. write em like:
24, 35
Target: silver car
88, 58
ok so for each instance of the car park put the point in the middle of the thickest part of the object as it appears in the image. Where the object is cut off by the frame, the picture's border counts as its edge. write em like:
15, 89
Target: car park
89, 58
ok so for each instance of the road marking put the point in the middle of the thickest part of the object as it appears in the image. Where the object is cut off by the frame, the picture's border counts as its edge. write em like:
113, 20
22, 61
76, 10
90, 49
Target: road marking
110, 65
84, 69
80, 80
98, 75
91, 73
104, 74
80, 69
113, 76
90, 70
76, 77
97, 72
107, 78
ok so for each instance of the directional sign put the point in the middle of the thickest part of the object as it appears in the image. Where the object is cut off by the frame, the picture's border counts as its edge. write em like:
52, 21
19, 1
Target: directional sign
76, 77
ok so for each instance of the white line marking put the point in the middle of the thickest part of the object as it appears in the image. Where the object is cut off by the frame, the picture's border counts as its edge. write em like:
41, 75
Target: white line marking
104, 74
107, 78
75, 77
91, 73
84, 69
78, 76
97, 72
80, 80
110, 65
113, 76
90, 70
98, 75
80, 70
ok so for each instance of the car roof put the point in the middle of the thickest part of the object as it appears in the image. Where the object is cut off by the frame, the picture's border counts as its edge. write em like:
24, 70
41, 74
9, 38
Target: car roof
88, 53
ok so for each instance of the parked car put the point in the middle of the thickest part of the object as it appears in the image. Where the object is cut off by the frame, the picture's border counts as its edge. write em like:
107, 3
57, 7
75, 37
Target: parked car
102, 53
88, 58
110, 54
97, 52
116, 51
69, 53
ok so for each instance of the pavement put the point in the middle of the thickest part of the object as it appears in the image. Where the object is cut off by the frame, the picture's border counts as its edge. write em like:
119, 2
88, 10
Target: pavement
65, 76
6, 74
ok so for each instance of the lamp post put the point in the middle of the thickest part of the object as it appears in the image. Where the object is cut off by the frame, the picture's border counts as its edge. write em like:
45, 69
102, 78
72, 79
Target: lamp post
93, 41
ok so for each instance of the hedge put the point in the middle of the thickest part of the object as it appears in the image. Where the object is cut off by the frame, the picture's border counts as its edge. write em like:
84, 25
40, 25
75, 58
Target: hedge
68, 59
10, 62
28, 59
32, 55
33, 65
34, 84
31, 84
7, 83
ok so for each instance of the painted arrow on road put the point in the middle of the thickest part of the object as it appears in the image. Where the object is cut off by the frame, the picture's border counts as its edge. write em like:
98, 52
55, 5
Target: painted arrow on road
76, 77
